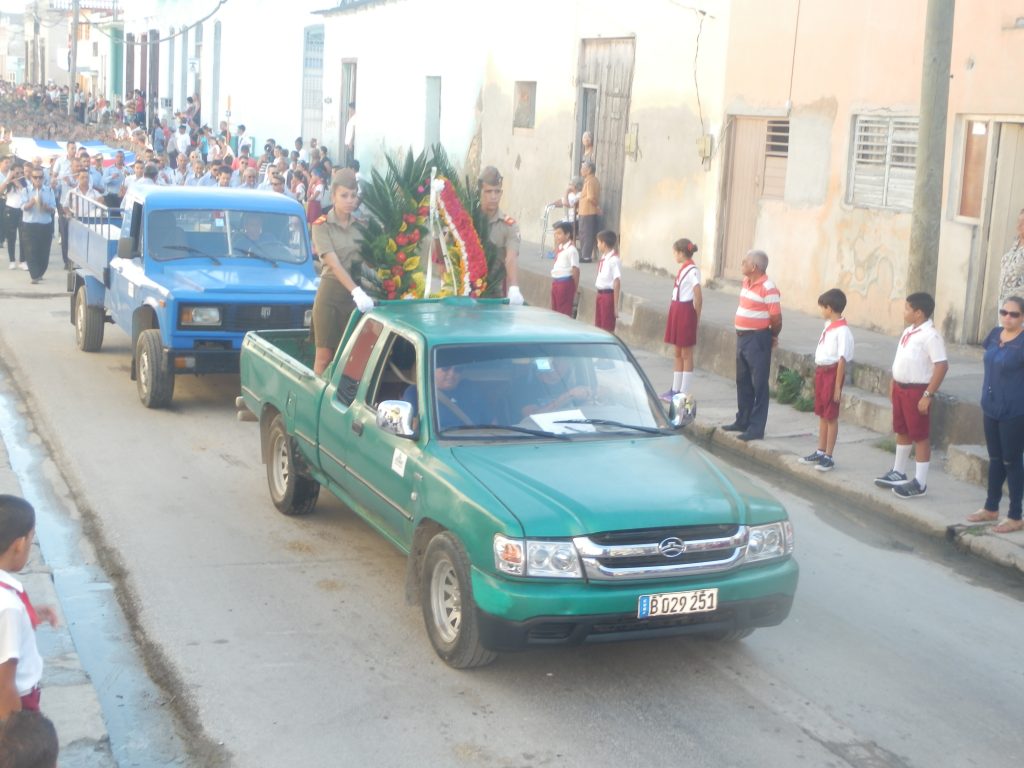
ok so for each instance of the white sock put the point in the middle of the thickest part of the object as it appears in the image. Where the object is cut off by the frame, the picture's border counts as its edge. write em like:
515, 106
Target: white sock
902, 457
921, 473
677, 381
684, 385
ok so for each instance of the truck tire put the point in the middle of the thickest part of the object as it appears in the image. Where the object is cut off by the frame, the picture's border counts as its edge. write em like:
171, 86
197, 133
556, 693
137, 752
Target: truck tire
449, 610
88, 323
154, 380
292, 492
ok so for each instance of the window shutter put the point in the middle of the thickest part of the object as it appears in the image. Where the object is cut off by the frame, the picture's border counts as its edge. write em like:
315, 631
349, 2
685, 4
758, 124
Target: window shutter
883, 163
776, 157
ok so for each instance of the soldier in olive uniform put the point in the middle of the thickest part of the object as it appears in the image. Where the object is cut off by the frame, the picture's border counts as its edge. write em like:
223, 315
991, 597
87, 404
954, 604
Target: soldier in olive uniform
503, 230
337, 241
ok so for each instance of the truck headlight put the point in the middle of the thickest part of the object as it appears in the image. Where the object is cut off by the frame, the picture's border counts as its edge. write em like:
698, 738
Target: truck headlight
204, 316
536, 557
307, 319
767, 542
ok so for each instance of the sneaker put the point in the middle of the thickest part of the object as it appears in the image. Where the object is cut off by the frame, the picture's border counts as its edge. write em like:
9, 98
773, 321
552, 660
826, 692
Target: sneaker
812, 458
891, 479
23, 266
909, 490
668, 395
13, 265
825, 464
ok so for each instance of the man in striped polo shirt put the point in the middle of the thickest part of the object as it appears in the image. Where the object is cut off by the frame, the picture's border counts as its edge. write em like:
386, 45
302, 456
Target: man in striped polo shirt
758, 324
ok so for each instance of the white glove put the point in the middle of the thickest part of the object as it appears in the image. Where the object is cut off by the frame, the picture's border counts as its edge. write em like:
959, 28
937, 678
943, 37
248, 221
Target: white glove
363, 302
514, 296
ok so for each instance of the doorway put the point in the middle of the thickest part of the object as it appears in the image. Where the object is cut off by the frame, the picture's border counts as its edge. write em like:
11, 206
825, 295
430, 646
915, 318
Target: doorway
348, 96
606, 77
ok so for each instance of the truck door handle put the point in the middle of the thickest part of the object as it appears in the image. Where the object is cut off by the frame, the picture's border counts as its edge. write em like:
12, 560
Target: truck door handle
357, 427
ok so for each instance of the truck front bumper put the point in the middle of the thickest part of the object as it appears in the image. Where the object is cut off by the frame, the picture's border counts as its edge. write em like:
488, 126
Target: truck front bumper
201, 361
514, 615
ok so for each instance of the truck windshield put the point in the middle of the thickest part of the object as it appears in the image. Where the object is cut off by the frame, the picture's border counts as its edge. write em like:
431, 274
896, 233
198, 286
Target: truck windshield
226, 234
530, 389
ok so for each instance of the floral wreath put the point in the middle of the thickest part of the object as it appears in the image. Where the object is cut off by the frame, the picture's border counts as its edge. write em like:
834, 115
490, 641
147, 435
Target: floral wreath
466, 262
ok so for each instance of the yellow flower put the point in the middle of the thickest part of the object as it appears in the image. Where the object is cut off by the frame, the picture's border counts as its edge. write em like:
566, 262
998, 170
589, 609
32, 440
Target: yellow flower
392, 246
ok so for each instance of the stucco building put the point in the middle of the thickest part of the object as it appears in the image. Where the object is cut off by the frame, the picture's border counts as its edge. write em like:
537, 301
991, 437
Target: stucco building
790, 126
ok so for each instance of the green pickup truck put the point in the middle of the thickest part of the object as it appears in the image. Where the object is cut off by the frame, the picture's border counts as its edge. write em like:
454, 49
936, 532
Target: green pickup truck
524, 464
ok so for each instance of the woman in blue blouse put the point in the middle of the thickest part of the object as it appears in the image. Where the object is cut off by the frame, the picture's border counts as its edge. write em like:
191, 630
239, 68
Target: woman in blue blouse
1002, 403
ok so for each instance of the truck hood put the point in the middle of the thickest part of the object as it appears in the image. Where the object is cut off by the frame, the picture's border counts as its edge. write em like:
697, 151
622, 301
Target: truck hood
241, 279
574, 488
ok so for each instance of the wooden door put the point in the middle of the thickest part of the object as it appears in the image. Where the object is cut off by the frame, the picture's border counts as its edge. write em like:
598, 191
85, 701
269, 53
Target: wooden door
1007, 202
606, 66
745, 177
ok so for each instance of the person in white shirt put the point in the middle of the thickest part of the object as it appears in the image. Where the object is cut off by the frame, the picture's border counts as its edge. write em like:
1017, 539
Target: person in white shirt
72, 203
833, 353
350, 133
565, 272
917, 372
12, 188
135, 177
303, 152
608, 282
38, 206
683, 317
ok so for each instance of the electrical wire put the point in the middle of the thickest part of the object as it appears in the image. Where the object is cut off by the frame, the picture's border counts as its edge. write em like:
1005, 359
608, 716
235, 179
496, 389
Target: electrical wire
696, 52
98, 26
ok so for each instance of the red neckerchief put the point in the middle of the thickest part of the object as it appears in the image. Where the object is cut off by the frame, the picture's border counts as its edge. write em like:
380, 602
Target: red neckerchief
600, 262
834, 324
23, 596
906, 336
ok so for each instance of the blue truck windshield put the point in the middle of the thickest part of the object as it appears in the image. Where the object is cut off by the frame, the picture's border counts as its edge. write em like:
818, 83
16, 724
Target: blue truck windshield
226, 234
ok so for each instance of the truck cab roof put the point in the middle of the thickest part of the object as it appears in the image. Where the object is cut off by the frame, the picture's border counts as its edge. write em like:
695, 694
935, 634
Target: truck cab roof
156, 197
460, 320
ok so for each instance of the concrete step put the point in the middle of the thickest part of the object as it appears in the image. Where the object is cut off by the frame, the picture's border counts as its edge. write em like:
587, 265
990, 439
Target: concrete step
968, 463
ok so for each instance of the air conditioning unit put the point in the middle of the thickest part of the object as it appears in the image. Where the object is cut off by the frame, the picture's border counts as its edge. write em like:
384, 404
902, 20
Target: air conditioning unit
165, 102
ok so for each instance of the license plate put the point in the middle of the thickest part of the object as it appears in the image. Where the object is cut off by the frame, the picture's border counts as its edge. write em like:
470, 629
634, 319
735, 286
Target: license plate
677, 603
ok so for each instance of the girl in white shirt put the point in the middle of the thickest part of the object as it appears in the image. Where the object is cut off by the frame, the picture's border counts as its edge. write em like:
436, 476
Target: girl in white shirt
683, 317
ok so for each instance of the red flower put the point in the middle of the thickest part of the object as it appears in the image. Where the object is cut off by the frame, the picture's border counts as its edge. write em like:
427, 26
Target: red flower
415, 236
409, 218
397, 270
400, 257
402, 240
389, 285
424, 210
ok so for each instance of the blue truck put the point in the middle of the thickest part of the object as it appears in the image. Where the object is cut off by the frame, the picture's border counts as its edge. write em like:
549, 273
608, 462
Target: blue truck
186, 272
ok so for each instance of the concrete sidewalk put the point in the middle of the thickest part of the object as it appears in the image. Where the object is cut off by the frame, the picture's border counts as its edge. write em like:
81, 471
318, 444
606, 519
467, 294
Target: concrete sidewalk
69, 697
957, 473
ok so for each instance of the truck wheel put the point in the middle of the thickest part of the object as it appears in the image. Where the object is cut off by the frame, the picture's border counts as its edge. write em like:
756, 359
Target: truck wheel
154, 381
88, 323
291, 492
448, 606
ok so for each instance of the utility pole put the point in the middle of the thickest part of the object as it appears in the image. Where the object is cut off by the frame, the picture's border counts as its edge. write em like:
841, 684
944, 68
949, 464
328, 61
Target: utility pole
73, 64
926, 220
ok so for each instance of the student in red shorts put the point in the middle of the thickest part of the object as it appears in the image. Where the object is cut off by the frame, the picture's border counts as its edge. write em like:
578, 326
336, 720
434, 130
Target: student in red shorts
608, 282
917, 372
683, 317
565, 272
833, 353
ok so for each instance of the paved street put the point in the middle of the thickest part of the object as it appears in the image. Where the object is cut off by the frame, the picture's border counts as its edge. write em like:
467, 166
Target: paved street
287, 642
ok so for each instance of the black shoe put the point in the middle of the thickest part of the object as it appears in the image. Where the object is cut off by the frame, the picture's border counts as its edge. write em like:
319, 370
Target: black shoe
746, 437
735, 427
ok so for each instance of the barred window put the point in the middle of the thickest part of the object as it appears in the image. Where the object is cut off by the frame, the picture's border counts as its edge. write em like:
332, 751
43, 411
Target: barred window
882, 162
776, 156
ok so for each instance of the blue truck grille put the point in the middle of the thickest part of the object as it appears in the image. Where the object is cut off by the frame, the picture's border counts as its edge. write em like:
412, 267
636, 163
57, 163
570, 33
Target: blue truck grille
263, 317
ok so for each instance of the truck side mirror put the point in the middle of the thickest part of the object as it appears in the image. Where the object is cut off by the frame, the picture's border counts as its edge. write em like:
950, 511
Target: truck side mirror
683, 410
124, 248
395, 417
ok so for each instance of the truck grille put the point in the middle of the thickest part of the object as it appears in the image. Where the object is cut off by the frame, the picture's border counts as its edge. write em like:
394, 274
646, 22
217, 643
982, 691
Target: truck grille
661, 553
263, 317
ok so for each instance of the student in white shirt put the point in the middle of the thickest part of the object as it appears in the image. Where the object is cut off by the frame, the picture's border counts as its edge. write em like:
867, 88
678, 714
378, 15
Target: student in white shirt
565, 272
608, 282
683, 317
833, 353
917, 372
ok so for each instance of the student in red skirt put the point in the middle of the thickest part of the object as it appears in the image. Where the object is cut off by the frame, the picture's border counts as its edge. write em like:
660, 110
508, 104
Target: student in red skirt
683, 317
608, 282
565, 272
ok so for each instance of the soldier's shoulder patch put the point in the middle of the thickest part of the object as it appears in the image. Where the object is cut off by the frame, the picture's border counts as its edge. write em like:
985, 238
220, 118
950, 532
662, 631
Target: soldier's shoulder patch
321, 220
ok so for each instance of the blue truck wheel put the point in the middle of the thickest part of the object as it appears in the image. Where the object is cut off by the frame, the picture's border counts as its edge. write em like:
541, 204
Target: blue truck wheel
88, 323
154, 380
